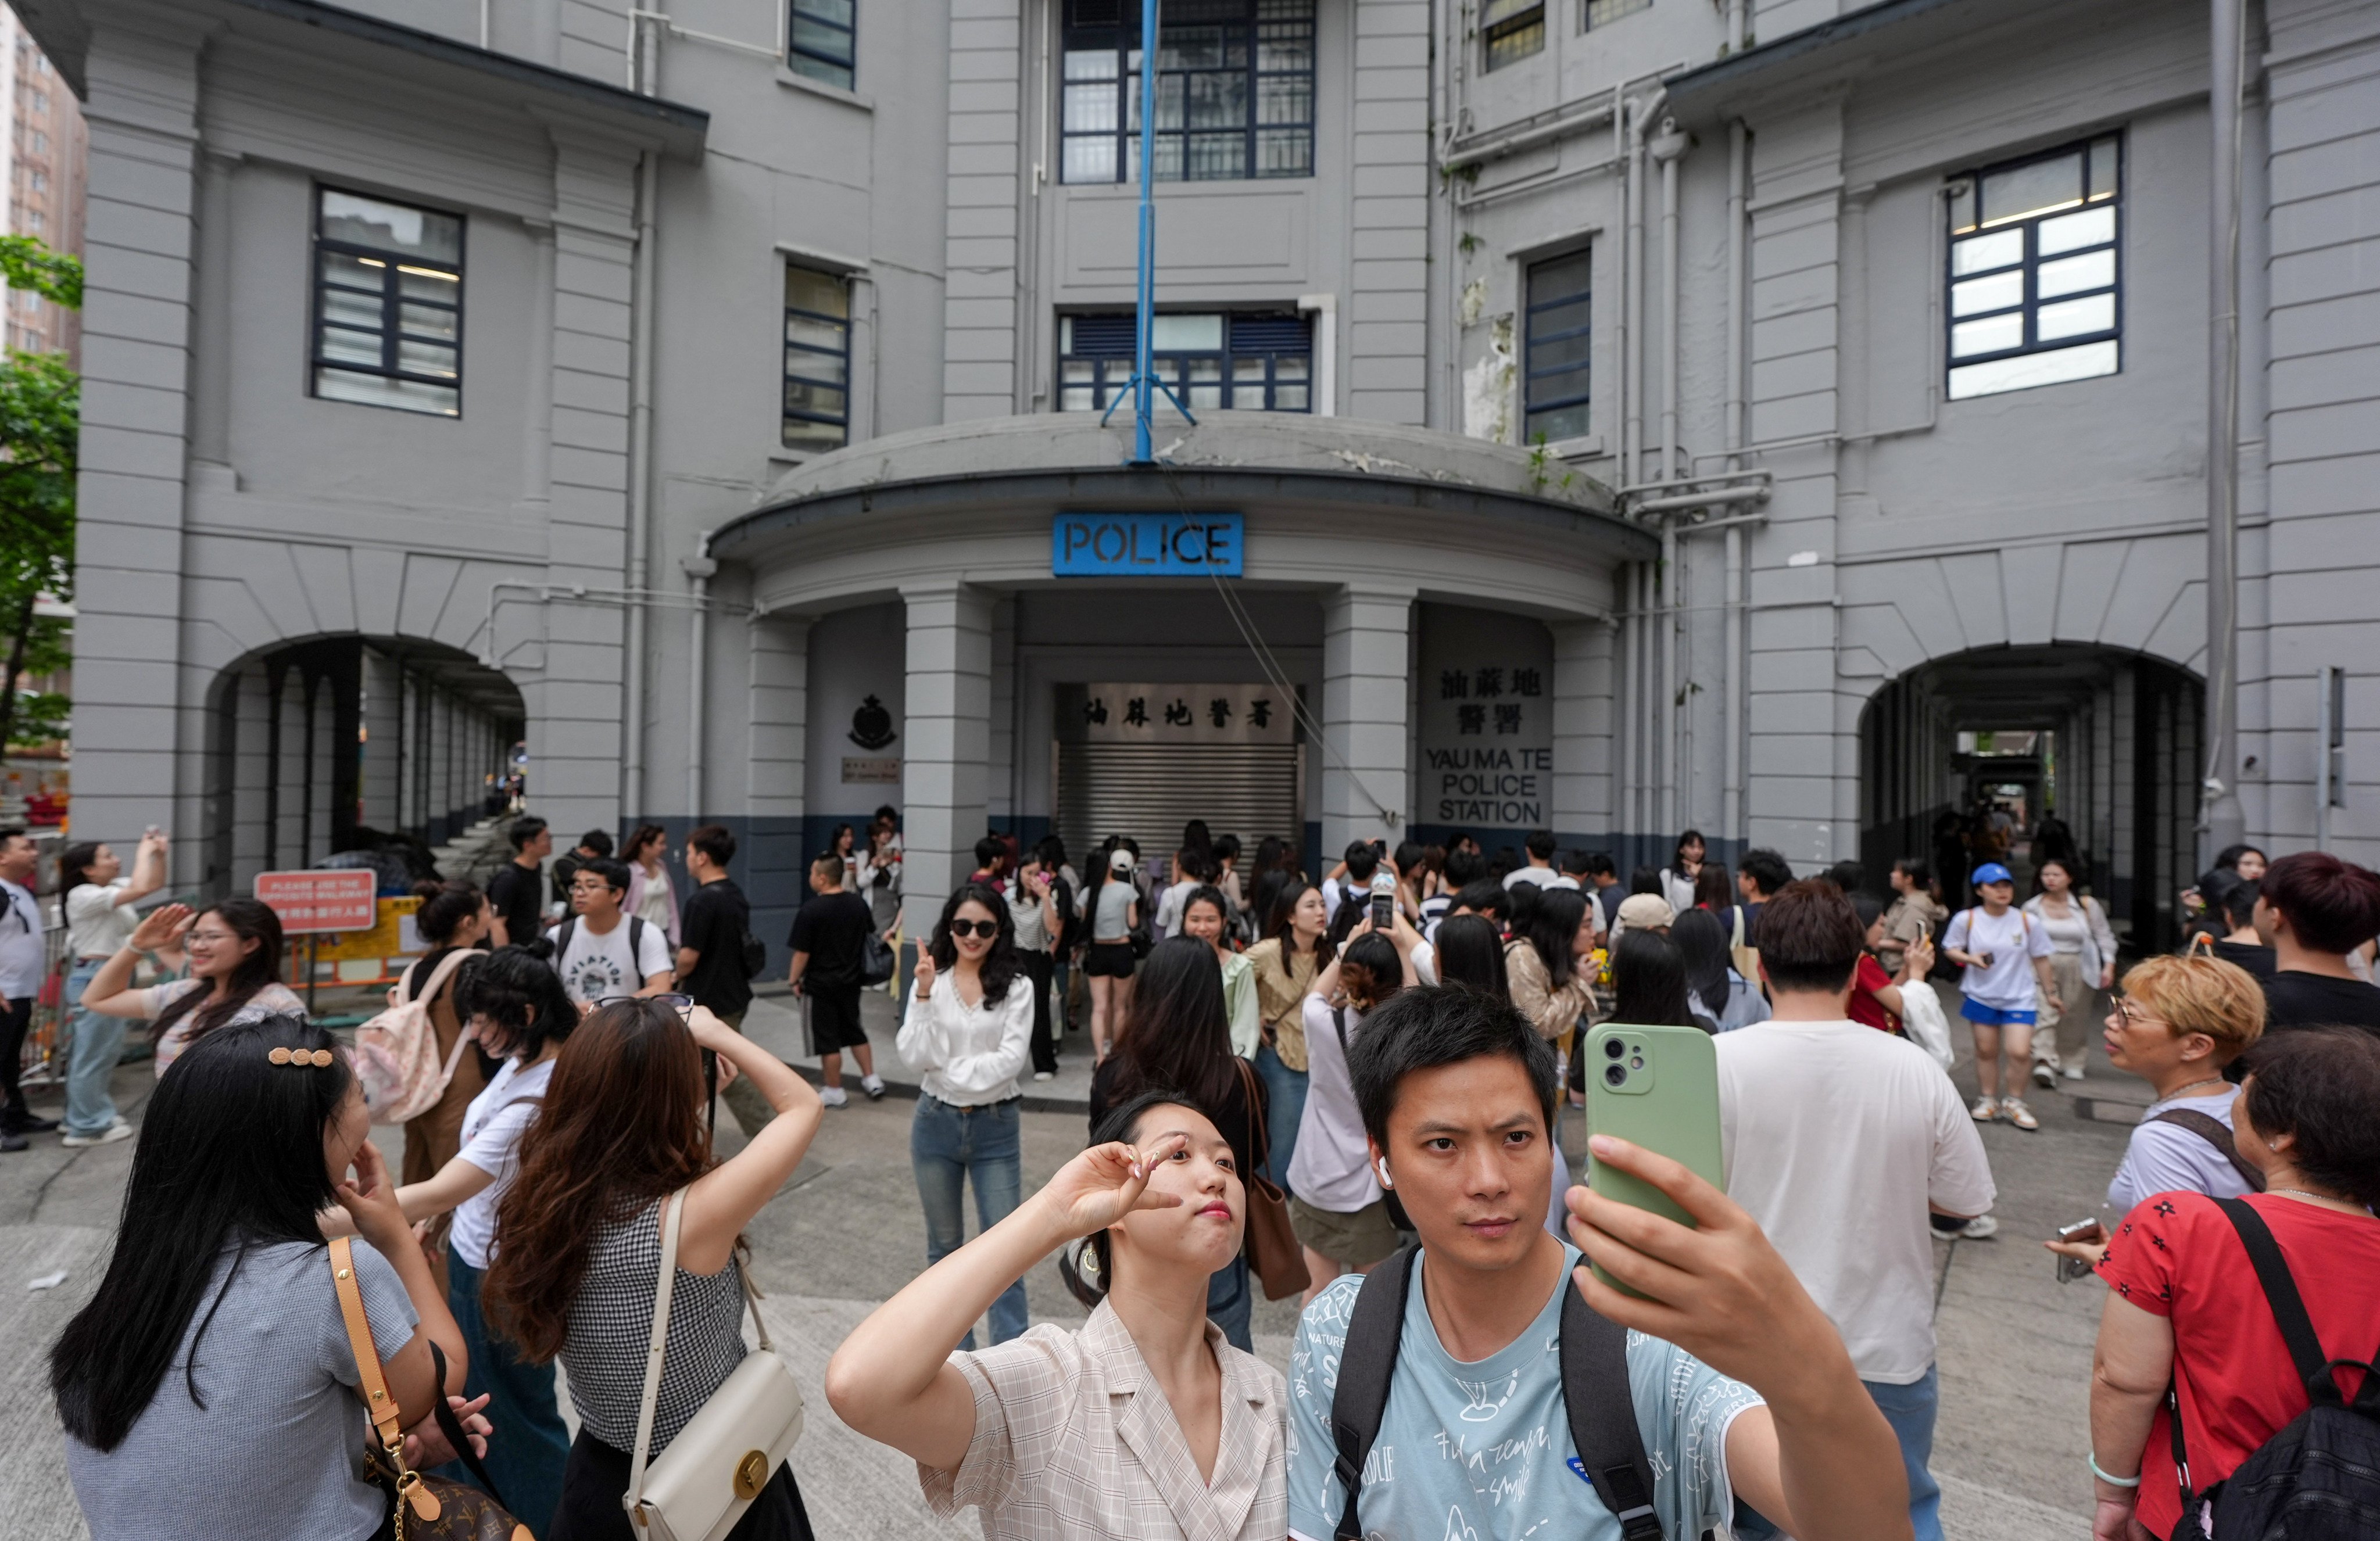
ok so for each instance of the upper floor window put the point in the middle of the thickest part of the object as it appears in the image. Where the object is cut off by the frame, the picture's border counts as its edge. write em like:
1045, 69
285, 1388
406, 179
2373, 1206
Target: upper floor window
822, 43
388, 304
1554, 369
818, 361
1512, 30
1244, 361
2034, 279
1603, 13
1234, 90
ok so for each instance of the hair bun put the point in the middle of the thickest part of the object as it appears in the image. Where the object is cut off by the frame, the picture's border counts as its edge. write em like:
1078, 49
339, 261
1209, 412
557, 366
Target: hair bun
538, 947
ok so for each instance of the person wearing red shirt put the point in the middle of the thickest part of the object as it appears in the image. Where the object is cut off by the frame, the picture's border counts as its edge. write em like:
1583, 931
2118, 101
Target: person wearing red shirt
2184, 1307
1875, 994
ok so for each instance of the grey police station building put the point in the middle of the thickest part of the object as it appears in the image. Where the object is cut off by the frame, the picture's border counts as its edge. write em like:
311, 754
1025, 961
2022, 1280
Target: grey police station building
1611, 416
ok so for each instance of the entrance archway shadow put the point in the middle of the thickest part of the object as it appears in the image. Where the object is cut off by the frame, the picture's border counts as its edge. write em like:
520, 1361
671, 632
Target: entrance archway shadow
2114, 754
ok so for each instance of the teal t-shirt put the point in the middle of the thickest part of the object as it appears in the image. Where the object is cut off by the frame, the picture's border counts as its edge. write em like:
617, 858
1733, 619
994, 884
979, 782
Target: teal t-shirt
1480, 1451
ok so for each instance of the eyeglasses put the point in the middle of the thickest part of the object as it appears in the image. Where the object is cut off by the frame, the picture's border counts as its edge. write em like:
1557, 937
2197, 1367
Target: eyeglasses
2132, 1018
681, 1004
984, 928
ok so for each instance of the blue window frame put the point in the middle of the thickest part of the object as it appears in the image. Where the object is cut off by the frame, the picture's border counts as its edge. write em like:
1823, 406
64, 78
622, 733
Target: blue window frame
822, 43
2036, 277
1556, 344
388, 304
1234, 90
1244, 361
818, 361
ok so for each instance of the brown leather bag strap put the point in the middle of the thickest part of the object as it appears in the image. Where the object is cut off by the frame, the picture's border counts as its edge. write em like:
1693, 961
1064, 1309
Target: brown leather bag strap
387, 1420
1259, 1137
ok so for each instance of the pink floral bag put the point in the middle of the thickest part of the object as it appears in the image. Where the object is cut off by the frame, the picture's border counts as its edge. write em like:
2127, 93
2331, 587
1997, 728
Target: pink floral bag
396, 1052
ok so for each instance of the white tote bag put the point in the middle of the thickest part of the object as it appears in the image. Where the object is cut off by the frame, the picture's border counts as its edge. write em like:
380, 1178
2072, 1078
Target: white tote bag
1921, 1019
720, 1461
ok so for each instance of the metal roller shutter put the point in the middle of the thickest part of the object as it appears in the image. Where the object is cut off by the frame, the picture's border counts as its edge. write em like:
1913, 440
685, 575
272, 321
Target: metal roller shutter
1149, 791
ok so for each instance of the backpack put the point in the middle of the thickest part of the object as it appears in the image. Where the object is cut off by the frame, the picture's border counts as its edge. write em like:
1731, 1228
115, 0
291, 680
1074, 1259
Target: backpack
754, 955
2319, 1478
396, 1051
877, 962
1595, 1394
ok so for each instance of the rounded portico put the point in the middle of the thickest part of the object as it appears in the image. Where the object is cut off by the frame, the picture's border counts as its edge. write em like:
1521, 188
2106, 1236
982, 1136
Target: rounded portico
1309, 628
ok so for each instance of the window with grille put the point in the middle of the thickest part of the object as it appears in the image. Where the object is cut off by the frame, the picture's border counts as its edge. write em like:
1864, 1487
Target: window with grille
1234, 90
822, 43
1603, 13
2035, 278
1245, 361
1555, 343
818, 361
1512, 30
388, 304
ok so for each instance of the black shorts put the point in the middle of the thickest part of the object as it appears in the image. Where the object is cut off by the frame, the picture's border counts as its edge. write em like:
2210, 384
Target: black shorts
1108, 960
834, 1018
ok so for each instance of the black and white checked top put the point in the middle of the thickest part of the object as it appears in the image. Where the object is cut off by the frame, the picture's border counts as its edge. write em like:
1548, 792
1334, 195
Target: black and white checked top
611, 1330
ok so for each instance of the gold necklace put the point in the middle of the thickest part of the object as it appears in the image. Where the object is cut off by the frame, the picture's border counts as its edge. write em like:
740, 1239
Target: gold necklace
2202, 1081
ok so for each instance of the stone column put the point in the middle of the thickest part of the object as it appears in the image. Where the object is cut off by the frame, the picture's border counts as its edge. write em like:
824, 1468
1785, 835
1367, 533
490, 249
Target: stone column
949, 704
289, 771
1366, 769
1582, 780
383, 712
251, 781
322, 768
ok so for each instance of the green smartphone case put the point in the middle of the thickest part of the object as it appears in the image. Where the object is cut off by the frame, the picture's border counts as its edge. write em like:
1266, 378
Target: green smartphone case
1660, 1091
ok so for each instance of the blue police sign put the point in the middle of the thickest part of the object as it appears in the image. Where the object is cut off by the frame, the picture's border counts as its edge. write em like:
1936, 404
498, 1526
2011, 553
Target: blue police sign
1149, 545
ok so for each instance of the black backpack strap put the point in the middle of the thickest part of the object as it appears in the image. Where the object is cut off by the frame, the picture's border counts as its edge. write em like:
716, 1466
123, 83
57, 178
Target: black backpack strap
636, 949
2216, 1133
2288, 1306
561, 938
1367, 1360
1602, 1416
1339, 1020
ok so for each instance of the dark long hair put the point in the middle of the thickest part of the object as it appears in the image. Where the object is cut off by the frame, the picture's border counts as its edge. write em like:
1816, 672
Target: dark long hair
516, 989
622, 1126
249, 920
1000, 965
1648, 981
1178, 1032
74, 866
445, 907
1552, 929
1713, 888
1702, 948
1471, 953
230, 1157
1086, 1265
1276, 922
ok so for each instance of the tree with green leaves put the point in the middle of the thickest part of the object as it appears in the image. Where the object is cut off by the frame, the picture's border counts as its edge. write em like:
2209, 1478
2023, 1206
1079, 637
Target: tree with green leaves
40, 424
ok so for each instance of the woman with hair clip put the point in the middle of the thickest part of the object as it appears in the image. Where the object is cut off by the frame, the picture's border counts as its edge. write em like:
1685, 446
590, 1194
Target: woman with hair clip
650, 898
577, 1243
453, 917
210, 1387
234, 946
98, 902
1143, 1425
1340, 1212
1177, 1037
514, 1002
969, 1032
1283, 965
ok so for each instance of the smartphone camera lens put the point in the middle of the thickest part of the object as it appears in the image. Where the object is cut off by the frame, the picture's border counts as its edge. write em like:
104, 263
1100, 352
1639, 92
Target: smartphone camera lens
1613, 1049
1616, 1075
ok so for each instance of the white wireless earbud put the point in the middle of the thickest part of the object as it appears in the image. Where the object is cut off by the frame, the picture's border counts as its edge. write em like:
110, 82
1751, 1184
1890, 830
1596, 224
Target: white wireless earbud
1383, 1165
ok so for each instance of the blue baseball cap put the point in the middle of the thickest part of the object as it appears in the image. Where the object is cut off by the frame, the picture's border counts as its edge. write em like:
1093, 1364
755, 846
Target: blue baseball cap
1992, 872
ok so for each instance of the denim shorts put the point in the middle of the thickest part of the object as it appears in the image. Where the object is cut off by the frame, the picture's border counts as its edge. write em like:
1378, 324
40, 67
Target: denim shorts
1981, 1016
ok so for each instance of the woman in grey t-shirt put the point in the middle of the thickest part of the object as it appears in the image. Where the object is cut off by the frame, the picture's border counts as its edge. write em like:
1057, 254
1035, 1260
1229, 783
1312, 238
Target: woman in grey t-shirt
209, 1387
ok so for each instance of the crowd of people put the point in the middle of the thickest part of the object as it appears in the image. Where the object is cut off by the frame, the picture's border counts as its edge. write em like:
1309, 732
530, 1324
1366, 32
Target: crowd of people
1342, 1085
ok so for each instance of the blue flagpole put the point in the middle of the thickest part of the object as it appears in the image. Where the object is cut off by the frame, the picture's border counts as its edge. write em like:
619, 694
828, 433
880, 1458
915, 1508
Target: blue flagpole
1143, 380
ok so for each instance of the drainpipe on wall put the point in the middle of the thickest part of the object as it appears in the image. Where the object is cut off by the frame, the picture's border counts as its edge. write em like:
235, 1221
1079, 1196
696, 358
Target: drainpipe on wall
645, 65
2223, 821
1731, 811
700, 568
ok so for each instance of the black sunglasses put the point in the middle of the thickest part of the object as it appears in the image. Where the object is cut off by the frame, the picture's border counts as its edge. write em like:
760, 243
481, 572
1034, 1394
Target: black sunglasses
682, 1005
984, 928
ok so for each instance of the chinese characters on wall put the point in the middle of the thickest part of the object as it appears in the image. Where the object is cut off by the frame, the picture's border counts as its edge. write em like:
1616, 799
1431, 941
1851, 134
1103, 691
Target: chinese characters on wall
1486, 690
1174, 714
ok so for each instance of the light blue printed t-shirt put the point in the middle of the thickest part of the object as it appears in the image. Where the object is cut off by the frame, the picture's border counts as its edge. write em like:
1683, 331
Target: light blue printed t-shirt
1480, 1451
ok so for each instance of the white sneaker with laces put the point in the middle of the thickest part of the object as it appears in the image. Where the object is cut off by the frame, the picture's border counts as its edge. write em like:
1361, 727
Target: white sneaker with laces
874, 1086
1985, 1109
833, 1097
2044, 1074
1981, 1228
119, 1129
1045, 1075
2016, 1112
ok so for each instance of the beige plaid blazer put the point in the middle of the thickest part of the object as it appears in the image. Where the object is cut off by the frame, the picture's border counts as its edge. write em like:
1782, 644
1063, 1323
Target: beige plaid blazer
1073, 1438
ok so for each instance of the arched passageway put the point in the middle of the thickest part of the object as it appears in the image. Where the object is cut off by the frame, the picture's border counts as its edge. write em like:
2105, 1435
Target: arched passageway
2105, 740
312, 741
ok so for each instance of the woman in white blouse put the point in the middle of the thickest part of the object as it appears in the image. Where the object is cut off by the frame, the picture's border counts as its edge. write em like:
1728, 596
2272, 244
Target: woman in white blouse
1145, 1426
968, 1032
2083, 964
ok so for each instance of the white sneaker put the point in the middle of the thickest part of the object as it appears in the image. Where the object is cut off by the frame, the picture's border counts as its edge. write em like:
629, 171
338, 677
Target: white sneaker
874, 1086
1981, 1228
2073, 1072
119, 1129
833, 1097
1985, 1109
2016, 1112
2044, 1074
1045, 1075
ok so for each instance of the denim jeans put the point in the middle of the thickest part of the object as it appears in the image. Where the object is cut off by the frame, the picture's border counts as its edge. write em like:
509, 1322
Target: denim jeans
91, 1059
1229, 1302
1284, 1106
1910, 1410
949, 1145
529, 1446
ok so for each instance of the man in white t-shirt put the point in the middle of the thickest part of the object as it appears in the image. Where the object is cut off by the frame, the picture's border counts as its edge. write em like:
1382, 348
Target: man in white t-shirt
599, 952
1840, 1140
1540, 849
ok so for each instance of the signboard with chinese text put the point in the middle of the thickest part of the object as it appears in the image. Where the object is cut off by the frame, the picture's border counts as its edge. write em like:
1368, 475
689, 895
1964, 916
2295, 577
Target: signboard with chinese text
334, 901
1487, 719
1174, 714
1145, 545
392, 935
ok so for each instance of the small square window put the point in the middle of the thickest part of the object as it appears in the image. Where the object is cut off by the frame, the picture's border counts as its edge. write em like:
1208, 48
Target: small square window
1512, 30
388, 304
1234, 90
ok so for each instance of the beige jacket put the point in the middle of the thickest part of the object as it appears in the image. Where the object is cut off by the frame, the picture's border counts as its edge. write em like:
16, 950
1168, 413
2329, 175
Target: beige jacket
1554, 1011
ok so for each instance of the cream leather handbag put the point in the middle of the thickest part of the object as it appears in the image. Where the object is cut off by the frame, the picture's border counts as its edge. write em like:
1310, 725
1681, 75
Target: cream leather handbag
720, 1461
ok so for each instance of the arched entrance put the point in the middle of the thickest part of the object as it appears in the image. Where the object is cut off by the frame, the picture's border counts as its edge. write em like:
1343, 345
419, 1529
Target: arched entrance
316, 746
2106, 741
